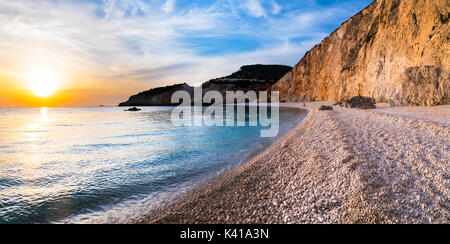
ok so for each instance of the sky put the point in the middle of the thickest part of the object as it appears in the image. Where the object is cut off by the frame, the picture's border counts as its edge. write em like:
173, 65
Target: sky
102, 51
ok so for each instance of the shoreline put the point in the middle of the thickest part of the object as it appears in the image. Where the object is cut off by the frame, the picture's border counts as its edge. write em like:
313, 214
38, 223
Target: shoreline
255, 153
326, 171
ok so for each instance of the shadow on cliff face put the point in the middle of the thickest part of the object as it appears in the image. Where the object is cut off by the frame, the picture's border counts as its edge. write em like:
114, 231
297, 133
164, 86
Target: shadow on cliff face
426, 86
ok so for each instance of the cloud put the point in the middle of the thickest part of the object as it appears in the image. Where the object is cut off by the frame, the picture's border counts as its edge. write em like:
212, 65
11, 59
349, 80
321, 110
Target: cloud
276, 8
255, 8
168, 7
154, 73
130, 44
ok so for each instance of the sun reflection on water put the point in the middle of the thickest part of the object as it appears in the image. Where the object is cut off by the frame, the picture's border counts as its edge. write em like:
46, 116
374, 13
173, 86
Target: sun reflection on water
44, 115
78, 164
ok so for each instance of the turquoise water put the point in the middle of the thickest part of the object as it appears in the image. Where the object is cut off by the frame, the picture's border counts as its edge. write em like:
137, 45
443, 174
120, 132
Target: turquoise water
101, 165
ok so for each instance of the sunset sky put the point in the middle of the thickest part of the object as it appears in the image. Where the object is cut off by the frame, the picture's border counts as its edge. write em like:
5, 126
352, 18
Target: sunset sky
87, 53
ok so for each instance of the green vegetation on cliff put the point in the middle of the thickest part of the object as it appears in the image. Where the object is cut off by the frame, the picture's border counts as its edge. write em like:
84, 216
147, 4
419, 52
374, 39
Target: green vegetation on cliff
270, 73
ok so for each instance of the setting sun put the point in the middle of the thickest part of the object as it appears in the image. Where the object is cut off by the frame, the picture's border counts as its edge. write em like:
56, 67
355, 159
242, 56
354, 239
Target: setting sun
43, 82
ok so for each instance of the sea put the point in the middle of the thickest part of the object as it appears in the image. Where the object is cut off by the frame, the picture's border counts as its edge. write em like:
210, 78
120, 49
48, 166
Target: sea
106, 165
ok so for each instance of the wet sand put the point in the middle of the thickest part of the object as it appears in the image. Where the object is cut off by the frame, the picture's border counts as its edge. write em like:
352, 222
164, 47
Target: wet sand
389, 165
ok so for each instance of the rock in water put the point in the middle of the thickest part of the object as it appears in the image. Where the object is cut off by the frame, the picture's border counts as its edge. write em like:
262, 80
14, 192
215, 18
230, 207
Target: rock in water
133, 109
396, 50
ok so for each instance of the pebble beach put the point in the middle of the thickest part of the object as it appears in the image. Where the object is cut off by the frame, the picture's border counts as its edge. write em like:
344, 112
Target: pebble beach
387, 165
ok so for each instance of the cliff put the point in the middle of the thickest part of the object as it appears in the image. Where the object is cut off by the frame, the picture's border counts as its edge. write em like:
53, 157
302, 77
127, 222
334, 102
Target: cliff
157, 97
393, 50
268, 73
248, 78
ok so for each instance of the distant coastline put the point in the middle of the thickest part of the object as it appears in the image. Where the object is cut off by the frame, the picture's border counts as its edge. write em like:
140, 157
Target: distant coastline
254, 78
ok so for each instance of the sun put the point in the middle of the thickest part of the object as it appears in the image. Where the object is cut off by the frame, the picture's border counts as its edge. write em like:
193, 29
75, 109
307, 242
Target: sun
42, 82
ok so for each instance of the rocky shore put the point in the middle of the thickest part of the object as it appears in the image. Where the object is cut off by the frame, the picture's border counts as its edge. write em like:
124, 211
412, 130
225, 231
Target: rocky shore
388, 165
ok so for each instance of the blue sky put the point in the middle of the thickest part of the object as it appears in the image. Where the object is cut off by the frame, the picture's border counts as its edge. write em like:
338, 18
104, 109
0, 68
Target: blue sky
244, 26
141, 44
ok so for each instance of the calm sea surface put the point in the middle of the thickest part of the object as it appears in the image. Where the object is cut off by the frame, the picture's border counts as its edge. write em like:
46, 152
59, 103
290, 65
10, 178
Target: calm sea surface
100, 165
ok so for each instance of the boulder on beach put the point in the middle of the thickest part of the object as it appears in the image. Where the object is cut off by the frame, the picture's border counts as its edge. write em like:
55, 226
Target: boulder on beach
340, 104
362, 102
325, 108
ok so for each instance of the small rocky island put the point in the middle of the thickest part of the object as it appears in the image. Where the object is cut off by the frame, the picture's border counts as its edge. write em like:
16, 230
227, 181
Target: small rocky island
133, 109
249, 78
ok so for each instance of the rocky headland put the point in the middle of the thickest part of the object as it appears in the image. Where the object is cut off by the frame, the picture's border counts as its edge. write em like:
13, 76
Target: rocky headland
248, 78
161, 96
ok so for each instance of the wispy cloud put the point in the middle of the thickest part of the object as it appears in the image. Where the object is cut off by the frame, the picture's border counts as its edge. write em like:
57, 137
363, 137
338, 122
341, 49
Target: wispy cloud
149, 43
276, 8
255, 8
169, 6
